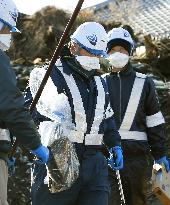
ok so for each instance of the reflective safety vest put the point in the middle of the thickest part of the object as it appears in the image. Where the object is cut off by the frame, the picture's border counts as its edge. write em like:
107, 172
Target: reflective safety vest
130, 113
102, 109
78, 135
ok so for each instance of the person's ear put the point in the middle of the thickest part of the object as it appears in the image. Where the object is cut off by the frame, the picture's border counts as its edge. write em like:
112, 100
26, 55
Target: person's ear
74, 48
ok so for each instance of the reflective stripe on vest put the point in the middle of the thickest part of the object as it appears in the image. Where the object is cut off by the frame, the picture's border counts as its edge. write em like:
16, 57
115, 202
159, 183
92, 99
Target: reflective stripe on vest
94, 138
80, 117
155, 120
5, 134
132, 135
131, 110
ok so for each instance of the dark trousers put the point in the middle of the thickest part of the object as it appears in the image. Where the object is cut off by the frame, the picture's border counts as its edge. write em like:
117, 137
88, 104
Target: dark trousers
134, 176
91, 188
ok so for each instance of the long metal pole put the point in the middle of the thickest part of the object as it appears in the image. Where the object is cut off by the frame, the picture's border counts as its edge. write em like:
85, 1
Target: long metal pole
56, 54
122, 196
52, 62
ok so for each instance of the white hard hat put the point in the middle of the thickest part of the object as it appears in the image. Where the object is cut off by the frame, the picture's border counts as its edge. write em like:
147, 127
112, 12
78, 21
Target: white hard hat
8, 14
119, 35
92, 37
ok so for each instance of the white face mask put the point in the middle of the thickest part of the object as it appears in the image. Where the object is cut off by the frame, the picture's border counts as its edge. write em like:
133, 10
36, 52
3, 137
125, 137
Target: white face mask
88, 63
5, 41
118, 60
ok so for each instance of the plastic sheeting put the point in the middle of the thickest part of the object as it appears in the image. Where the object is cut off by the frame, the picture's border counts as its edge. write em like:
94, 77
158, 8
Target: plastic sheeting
63, 166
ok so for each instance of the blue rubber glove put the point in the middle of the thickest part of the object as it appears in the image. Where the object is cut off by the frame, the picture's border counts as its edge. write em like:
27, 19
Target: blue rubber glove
11, 166
42, 153
116, 158
164, 161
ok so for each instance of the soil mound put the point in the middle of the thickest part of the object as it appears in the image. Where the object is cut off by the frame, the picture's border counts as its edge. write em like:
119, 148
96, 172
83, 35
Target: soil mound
39, 34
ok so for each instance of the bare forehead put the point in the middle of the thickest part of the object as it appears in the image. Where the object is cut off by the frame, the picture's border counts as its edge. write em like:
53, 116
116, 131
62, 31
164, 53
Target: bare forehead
117, 47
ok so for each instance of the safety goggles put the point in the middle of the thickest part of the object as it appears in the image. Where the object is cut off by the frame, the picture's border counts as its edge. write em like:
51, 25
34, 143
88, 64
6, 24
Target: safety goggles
7, 25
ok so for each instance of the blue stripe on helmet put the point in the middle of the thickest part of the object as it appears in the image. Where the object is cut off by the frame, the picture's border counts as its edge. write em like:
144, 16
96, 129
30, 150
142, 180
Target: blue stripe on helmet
13, 29
90, 50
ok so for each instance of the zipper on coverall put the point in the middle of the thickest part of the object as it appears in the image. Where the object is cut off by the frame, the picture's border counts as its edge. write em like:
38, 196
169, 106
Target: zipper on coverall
120, 98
